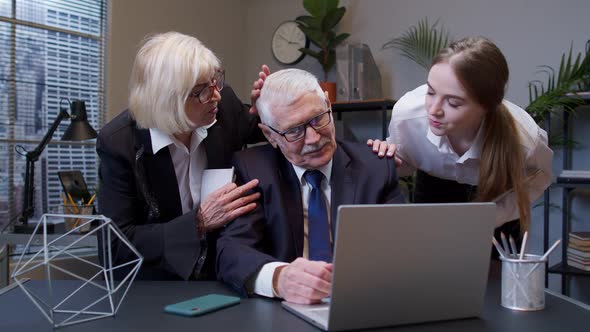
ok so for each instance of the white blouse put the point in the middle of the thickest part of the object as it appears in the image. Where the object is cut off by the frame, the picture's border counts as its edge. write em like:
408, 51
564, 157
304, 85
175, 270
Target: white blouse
420, 149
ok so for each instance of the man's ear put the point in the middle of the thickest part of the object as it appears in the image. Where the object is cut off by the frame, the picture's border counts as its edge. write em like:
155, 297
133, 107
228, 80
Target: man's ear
327, 95
268, 134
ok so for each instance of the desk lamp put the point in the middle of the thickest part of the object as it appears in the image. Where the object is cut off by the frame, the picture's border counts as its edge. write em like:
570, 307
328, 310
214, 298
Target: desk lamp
78, 130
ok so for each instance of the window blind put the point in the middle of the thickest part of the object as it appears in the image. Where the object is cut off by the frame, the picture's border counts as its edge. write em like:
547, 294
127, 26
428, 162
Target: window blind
49, 50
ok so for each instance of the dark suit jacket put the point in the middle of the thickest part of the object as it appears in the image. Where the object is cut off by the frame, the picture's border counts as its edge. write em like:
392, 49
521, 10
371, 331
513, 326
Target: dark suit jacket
139, 191
274, 230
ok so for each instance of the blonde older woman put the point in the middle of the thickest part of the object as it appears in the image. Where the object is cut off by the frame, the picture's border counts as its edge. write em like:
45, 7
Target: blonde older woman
181, 120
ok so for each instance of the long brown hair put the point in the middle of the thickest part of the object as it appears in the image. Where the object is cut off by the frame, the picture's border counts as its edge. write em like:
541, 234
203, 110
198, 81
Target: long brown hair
482, 70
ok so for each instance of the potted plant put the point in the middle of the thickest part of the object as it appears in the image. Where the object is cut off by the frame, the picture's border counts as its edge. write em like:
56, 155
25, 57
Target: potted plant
559, 91
319, 28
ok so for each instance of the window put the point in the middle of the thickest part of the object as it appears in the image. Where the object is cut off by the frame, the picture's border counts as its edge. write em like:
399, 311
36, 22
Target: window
49, 50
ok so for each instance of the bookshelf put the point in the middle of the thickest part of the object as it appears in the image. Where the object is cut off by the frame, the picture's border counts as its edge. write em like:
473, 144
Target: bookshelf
569, 181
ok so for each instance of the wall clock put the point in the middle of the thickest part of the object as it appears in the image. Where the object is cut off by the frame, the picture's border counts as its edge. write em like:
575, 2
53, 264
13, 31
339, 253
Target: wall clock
286, 42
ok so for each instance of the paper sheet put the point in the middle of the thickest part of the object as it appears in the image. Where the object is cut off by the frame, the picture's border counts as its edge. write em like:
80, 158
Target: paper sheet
215, 178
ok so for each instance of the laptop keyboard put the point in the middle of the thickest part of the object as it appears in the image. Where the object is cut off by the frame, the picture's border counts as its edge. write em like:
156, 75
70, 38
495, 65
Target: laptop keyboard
321, 313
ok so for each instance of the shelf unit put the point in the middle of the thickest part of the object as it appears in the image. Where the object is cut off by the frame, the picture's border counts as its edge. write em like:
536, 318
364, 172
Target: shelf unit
568, 184
382, 105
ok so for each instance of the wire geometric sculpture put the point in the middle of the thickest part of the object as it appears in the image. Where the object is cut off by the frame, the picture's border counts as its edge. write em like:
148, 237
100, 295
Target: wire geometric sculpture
100, 293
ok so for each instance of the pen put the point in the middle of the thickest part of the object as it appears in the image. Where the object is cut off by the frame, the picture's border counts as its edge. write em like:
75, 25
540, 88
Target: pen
513, 246
523, 247
497, 245
505, 244
550, 250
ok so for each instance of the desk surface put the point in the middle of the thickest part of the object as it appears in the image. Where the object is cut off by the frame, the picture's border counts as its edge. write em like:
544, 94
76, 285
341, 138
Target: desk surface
142, 310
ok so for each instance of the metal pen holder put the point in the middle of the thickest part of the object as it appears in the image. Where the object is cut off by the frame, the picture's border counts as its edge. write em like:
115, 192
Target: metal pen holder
523, 283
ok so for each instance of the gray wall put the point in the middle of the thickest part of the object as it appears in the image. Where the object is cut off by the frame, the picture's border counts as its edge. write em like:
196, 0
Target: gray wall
219, 24
529, 32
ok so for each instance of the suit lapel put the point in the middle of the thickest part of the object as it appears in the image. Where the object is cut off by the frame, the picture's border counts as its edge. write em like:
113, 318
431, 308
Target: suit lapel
342, 184
160, 176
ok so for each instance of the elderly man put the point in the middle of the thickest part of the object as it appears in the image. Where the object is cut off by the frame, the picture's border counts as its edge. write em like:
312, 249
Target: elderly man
284, 247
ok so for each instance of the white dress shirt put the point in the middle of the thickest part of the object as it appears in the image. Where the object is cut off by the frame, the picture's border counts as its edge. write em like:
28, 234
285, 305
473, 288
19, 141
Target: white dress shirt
263, 280
188, 165
420, 149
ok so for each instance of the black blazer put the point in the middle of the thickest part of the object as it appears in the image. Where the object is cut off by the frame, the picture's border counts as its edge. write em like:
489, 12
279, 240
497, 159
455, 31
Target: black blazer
274, 230
139, 191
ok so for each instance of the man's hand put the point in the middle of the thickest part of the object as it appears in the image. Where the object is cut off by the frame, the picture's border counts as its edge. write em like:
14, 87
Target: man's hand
227, 203
304, 281
382, 148
256, 86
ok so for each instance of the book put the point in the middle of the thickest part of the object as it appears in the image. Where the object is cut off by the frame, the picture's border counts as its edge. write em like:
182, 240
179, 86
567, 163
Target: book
578, 265
578, 253
574, 174
579, 247
584, 236
579, 260
580, 238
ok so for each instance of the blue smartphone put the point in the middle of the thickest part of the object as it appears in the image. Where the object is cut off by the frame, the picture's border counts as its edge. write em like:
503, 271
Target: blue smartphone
201, 305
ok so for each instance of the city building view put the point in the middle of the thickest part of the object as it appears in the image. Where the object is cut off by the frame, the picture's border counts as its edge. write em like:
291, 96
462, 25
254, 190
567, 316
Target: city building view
50, 52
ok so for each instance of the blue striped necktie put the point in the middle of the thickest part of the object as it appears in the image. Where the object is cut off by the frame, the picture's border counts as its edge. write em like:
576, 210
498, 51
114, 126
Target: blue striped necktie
318, 229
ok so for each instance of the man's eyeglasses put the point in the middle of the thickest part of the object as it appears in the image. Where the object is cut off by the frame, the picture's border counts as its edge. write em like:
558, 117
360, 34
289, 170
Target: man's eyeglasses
206, 93
298, 132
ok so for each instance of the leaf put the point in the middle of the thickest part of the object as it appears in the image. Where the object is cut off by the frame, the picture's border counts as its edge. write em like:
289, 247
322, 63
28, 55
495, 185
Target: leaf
421, 43
319, 8
310, 53
308, 21
338, 39
331, 4
332, 18
550, 98
314, 35
314, 7
329, 62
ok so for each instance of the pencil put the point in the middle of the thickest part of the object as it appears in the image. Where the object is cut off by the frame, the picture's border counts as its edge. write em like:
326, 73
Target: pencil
91, 199
74, 207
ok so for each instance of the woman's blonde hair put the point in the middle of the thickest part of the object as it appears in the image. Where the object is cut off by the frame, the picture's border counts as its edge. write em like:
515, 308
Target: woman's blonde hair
166, 68
481, 68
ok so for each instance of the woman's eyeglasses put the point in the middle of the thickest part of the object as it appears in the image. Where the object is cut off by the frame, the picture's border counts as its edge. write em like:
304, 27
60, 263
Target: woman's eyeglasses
205, 94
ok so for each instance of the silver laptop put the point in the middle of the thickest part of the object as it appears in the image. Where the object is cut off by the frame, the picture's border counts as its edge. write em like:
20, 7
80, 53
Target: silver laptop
406, 263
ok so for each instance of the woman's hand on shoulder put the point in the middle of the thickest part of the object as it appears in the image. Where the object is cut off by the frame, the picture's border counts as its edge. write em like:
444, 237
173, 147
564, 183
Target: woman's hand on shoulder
227, 203
382, 149
257, 86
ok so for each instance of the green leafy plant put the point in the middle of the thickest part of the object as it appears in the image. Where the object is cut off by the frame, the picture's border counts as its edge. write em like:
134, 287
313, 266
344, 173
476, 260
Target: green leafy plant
558, 92
319, 28
421, 42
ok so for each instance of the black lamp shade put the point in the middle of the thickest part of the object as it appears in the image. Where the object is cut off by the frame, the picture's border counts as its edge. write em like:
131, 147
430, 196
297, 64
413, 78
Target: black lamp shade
79, 128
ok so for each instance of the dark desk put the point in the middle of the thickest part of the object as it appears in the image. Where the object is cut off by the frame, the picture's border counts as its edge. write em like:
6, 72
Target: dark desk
142, 310
366, 105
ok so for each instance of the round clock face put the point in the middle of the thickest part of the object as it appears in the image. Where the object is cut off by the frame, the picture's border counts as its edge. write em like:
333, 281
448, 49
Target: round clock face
286, 42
